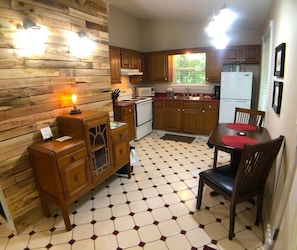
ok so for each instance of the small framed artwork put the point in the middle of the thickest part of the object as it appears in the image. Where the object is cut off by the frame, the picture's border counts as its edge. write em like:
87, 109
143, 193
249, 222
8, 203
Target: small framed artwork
279, 61
277, 96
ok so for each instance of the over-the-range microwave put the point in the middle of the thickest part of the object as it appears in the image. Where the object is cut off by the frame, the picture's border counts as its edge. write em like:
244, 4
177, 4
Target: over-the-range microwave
144, 91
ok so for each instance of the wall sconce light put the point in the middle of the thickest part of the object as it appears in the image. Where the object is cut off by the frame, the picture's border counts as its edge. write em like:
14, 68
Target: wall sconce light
74, 101
81, 45
29, 24
30, 39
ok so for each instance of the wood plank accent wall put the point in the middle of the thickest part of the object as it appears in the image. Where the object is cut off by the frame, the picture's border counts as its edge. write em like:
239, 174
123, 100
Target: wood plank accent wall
35, 89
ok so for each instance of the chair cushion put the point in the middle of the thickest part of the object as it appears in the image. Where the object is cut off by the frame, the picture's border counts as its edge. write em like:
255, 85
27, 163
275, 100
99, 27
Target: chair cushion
217, 178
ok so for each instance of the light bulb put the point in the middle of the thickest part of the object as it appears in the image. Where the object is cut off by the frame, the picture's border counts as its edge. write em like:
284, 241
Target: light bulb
74, 99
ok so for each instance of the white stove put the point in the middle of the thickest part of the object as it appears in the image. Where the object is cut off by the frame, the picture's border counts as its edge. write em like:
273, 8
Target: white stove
143, 112
137, 99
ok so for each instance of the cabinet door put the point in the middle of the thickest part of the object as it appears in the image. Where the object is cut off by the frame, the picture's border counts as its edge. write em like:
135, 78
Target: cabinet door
214, 65
157, 66
172, 116
158, 115
125, 59
135, 59
129, 118
120, 147
115, 67
232, 55
74, 178
209, 117
251, 54
191, 117
99, 148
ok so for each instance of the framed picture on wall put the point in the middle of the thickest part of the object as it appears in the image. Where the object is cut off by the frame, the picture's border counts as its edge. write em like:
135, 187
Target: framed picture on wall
277, 96
279, 61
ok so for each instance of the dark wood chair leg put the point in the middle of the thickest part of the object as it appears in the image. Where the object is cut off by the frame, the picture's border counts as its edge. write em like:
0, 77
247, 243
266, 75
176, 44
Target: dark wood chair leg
232, 220
259, 208
200, 192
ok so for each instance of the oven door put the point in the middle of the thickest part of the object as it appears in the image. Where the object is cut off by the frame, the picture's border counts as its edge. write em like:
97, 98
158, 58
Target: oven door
144, 112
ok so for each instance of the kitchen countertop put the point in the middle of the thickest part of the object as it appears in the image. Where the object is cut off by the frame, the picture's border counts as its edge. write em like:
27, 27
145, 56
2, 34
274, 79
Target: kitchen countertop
205, 98
164, 97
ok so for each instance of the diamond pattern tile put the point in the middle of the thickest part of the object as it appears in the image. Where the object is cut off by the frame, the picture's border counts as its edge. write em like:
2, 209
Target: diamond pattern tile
155, 209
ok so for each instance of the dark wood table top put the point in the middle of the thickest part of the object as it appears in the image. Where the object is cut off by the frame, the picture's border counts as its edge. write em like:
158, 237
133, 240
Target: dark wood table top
259, 134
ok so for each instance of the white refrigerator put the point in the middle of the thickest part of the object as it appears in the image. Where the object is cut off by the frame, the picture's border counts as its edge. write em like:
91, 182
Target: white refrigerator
236, 91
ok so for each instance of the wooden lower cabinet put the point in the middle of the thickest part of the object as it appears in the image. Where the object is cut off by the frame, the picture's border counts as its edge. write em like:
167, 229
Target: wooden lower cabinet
120, 147
66, 170
172, 116
158, 115
126, 114
62, 173
191, 117
209, 117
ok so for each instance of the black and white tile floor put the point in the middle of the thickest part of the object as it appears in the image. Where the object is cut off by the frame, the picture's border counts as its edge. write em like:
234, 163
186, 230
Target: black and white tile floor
155, 209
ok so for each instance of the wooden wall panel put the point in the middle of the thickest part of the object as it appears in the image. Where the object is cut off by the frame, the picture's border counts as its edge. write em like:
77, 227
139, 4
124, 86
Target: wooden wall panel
36, 88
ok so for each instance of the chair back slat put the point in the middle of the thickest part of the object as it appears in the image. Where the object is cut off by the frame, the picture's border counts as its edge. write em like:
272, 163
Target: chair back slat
249, 116
255, 164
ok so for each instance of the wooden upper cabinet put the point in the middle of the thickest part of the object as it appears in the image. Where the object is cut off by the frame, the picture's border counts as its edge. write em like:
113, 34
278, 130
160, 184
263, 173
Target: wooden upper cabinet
158, 67
115, 64
214, 65
242, 54
130, 59
251, 54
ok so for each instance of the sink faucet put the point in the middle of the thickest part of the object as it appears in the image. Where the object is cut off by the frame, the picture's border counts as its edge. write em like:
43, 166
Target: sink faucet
187, 92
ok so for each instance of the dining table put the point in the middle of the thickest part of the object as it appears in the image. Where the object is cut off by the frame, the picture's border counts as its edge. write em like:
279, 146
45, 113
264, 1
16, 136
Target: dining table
231, 137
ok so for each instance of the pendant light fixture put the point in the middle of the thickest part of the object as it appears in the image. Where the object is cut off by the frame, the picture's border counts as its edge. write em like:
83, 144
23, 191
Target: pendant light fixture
218, 25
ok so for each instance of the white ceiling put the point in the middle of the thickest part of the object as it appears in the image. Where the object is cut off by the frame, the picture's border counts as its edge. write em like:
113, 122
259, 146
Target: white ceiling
251, 14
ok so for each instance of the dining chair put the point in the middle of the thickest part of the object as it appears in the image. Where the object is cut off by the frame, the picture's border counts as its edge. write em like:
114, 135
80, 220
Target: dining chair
245, 116
249, 180
249, 116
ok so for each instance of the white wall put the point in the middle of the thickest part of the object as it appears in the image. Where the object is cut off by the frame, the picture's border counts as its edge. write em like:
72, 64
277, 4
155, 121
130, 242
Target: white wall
124, 29
283, 210
164, 35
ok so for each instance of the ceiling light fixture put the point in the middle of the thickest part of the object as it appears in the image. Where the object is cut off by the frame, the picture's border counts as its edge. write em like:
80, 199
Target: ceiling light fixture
218, 25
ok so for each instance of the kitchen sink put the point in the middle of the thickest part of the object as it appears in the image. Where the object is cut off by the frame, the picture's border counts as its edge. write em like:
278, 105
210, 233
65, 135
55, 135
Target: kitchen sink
187, 97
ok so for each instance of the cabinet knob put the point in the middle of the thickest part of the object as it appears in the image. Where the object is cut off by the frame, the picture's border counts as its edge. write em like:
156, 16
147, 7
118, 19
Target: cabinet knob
203, 111
178, 110
209, 106
72, 159
184, 110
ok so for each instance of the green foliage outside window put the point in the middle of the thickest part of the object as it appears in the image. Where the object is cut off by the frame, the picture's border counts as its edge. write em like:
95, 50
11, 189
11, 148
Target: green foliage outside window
189, 68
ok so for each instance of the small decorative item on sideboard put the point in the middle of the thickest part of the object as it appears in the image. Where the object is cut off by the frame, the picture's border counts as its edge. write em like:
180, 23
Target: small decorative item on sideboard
74, 110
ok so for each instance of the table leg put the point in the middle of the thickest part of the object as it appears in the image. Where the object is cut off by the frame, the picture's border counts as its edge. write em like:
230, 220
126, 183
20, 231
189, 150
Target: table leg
235, 158
215, 157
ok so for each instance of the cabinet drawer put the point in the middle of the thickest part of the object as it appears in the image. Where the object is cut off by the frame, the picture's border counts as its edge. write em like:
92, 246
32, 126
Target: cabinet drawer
158, 104
128, 110
172, 104
119, 135
74, 177
210, 106
192, 105
68, 159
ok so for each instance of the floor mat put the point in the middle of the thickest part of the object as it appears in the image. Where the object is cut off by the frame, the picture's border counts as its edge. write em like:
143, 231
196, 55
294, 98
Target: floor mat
178, 138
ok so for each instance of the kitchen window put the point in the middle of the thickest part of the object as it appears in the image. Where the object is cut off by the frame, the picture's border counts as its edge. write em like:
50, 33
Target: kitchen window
189, 68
